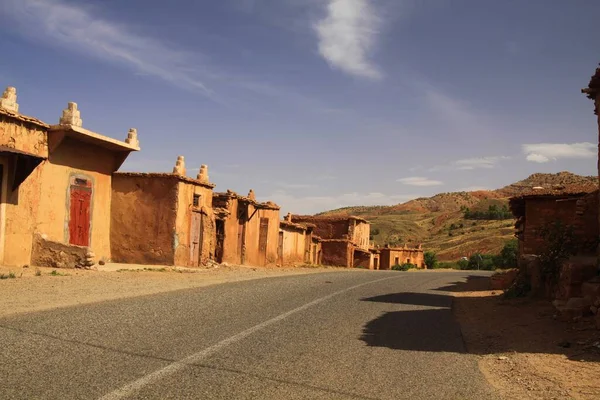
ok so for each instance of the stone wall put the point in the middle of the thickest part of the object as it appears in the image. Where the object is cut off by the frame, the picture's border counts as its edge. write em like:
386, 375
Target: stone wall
48, 253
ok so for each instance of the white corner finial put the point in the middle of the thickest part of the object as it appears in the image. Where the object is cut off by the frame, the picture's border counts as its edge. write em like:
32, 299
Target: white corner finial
71, 115
8, 101
132, 138
179, 168
203, 174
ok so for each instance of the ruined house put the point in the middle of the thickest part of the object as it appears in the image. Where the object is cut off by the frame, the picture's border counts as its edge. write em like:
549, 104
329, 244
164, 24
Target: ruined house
391, 256
55, 188
575, 205
298, 244
247, 231
346, 239
163, 218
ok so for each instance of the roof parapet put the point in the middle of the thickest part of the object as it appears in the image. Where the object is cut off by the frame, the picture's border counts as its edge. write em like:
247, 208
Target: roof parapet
8, 101
179, 168
132, 138
71, 115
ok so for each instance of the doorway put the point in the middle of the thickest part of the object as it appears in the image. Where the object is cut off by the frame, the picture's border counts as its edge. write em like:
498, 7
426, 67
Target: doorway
196, 235
220, 232
80, 200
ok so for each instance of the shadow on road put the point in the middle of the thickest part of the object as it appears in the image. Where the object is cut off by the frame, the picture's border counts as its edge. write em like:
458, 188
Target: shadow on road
489, 323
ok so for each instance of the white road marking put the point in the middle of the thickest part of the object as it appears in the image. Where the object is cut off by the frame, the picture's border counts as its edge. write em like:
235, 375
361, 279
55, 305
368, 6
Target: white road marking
195, 358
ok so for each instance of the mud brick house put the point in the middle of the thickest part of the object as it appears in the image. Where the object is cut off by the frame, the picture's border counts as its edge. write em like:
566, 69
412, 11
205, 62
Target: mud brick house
298, 244
55, 187
391, 256
576, 206
163, 218
247, 231
345, 242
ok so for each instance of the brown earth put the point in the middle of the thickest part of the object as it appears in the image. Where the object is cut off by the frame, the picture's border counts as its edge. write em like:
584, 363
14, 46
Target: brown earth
525, 353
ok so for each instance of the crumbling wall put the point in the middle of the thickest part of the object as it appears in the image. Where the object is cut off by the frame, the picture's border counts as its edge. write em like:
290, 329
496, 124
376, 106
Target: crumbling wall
338, 253
48, 253
143, 219
22, 135
326, 228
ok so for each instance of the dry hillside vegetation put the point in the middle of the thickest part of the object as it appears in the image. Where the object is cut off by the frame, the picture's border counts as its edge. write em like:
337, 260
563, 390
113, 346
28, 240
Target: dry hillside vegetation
438, 222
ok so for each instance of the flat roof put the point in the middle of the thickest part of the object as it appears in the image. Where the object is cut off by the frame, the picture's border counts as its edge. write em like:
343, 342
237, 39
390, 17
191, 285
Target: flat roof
94, 138
166, 175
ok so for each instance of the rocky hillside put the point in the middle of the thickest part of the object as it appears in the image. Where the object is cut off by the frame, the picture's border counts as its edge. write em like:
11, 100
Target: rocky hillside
438, 222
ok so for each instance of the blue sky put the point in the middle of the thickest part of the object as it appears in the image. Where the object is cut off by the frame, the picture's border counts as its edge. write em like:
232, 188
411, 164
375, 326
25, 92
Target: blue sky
318, 104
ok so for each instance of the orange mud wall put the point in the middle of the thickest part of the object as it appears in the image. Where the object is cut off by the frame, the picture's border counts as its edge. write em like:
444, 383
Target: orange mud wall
143, 220
293, 246
19, 208
242, 242
338, 253
183, 232
361, 233
73, 159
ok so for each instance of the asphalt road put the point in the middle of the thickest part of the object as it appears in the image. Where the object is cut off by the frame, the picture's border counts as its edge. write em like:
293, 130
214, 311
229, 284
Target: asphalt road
342, 335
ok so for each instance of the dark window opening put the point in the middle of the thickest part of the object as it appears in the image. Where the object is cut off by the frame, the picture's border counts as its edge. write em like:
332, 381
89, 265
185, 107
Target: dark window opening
196, 201
81, 182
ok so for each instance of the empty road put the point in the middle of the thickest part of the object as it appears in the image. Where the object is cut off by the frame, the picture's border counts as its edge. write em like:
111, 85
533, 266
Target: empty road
339, 335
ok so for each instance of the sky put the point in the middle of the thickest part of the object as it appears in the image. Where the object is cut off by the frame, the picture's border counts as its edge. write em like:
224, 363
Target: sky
319, 104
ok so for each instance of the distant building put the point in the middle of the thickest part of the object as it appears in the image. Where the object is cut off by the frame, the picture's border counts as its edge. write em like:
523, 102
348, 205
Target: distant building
346, 239
391, 256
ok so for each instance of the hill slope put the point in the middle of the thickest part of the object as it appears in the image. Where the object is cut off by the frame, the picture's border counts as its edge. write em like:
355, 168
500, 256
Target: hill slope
438, 222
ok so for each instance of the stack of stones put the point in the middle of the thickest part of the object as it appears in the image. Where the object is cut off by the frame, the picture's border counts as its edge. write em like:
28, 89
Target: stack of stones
89, 260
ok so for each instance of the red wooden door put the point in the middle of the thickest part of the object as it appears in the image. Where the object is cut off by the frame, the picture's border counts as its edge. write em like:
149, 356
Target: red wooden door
79, 222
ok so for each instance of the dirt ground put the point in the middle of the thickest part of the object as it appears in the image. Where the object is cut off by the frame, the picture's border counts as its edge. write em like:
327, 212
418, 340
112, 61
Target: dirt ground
35, 289
525, 352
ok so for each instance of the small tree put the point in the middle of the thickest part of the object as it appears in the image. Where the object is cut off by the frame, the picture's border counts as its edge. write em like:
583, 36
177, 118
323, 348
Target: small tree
430, 259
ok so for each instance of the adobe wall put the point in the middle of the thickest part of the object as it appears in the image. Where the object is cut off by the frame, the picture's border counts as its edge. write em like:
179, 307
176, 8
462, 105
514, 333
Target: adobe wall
363, 260
19, 209
143, 220
581, 213
404, 256
185, 209
23, 136
293, 246
252, 255
362, 234
326, 228
230, 241
337, 253
74, 158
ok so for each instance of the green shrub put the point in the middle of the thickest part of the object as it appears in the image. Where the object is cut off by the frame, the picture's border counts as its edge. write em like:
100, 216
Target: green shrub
430, 259
403, 267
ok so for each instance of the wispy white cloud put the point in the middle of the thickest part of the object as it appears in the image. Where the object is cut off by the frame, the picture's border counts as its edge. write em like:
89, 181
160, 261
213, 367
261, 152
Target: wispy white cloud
296, 185
82, 29
467, 164
419, 181
546, 152
315, 204
347, 35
